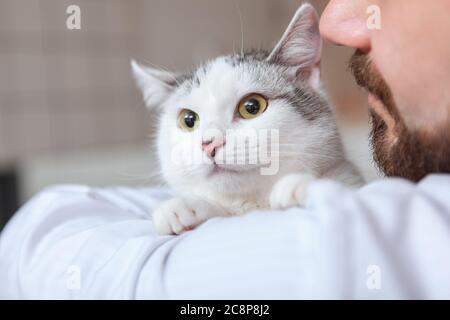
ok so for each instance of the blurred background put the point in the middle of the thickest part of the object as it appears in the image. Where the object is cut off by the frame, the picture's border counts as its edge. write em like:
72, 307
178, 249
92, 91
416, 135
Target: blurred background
69, 109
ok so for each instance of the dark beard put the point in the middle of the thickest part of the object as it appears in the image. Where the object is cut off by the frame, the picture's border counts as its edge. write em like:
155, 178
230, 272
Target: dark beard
413, 154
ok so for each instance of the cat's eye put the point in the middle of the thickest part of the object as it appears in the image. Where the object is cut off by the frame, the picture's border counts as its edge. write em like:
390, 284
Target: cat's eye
188, 120
252, 106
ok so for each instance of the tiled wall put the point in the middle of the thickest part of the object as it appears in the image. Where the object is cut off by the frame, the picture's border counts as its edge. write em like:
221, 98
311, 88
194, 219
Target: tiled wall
66, 89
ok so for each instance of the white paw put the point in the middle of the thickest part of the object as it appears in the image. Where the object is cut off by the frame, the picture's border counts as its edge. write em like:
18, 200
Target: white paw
290, 191
177, 215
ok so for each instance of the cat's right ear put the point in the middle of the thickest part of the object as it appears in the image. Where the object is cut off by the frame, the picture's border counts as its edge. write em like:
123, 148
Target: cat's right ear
156, 85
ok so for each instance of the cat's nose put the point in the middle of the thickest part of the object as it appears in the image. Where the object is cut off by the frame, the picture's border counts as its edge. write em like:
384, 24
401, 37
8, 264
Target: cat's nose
210, 146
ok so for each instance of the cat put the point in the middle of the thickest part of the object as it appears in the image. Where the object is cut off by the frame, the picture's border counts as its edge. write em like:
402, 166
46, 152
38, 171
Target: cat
255, 91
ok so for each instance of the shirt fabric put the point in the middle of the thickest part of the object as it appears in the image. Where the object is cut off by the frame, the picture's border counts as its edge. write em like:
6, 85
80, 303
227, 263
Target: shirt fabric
389, 239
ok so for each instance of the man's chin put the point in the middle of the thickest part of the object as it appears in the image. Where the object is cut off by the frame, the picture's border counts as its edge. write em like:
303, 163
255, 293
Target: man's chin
411, 155
398, 151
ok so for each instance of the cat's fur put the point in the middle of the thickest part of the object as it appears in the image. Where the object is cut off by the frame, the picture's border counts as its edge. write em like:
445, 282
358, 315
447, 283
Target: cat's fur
309, 142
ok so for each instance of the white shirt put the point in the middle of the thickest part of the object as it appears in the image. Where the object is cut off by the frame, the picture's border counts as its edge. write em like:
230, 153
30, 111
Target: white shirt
389, 239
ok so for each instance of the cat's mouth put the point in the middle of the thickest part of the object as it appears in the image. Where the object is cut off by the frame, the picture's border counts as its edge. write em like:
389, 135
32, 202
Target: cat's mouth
217, 170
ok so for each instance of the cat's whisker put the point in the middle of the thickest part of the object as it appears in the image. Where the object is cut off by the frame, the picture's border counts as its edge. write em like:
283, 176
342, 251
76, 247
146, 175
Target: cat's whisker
290, 149
242, 27
316, 156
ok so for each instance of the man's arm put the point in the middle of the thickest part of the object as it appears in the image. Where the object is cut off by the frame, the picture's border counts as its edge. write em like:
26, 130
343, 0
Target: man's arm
389, 239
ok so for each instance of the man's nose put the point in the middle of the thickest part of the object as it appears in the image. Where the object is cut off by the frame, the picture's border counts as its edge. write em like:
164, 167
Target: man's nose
210, 146
344, 22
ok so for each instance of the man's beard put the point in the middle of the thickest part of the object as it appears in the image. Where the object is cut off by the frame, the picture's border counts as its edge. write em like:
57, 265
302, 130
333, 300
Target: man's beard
408, 154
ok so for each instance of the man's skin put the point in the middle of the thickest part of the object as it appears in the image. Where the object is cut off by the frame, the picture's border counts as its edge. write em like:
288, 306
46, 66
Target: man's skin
405, 66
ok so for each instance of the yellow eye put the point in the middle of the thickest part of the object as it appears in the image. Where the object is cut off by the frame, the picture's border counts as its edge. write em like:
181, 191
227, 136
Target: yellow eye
188, 120
252, 106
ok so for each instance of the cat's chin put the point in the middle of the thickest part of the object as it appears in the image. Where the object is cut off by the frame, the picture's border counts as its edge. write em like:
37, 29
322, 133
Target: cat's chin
228, 181
218, 170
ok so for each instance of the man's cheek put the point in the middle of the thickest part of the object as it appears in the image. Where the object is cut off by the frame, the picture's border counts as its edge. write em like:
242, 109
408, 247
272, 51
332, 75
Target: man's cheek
403, 53
393, 63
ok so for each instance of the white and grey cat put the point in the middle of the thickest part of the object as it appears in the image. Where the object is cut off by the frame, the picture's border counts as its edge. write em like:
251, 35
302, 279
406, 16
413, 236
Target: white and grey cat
257, 90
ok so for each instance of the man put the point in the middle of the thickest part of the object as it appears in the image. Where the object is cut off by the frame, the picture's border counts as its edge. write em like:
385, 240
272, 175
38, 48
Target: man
405, 66
389, 239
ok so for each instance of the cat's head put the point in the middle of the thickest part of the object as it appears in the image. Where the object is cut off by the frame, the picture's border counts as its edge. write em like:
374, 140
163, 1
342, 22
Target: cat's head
277, 92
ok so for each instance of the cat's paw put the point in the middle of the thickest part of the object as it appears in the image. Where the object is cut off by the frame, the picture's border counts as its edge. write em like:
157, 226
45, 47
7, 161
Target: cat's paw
290, 191
178, 215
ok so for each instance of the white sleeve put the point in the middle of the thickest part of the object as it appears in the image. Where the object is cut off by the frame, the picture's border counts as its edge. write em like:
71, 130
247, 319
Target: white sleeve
390, 239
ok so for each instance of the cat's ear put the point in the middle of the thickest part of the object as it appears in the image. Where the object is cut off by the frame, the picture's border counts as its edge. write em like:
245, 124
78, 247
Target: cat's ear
156, 85
300, 46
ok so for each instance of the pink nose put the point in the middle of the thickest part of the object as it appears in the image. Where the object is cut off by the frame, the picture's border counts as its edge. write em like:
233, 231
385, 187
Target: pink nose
211, 146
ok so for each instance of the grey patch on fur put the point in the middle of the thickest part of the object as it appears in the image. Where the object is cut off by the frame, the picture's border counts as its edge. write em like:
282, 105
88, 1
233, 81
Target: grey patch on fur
247, 57
310, 105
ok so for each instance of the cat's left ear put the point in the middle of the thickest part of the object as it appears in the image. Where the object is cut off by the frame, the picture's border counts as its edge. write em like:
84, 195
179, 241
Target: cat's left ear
300, 47
156, 85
